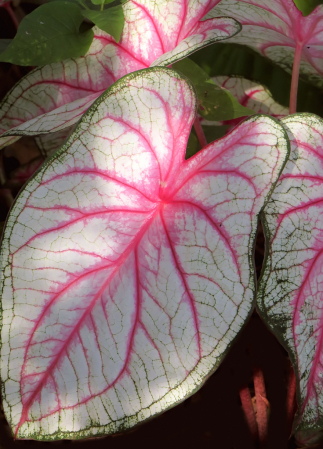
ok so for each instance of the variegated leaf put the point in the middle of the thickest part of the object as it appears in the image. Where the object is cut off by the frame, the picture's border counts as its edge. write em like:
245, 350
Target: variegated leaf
127, 271
290, 294
275, 28
155, 33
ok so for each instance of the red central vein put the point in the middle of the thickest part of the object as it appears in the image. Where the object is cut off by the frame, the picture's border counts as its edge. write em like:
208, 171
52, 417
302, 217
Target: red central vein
192, 303
152, 22
132, 246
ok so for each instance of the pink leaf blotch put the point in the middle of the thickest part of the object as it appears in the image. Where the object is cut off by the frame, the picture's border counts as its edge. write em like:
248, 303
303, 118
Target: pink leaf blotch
156, 32
290, 293
127, 271
275, 28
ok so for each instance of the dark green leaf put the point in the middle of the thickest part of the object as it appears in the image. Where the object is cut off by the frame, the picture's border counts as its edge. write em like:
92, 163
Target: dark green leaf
99, 2
238, 60
49, 34
4, 43
215, 103
110, 20
307, 6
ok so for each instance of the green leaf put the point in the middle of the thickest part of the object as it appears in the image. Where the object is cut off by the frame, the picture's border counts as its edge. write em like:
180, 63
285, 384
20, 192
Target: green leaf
49, 34
110, 20
4, 43
215, 103
100, 2
307, 6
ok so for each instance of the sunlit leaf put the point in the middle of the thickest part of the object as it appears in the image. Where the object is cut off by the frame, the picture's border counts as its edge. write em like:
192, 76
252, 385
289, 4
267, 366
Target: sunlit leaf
127, 270
155, 32
290, 293
275, 28
48, 35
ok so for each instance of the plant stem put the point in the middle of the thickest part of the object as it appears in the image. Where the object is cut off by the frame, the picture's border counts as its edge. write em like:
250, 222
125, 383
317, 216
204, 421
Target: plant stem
262, 404
199, 132
12, 15
102, 6
248, 410
291, 398
295, 77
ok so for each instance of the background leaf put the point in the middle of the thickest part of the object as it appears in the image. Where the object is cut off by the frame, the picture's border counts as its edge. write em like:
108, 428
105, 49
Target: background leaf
4, 43
215, 103
110, 20
239, 60
307, 6
49, 34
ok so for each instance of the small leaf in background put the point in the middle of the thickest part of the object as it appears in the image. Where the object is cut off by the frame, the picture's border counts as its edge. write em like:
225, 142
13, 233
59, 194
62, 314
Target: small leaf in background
128, 269
225, 59
49, 34
215, 103
307, 6
110, 20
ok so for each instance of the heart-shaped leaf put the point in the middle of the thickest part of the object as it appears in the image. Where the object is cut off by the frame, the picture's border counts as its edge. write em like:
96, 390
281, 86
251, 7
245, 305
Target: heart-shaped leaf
307, 6
128, 271
155, 33
290, 293
275, 28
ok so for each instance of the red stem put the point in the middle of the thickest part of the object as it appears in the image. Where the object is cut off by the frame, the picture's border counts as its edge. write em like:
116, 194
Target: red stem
262, 403
295, 77
248, 410
291, 398
199, 132
11, 14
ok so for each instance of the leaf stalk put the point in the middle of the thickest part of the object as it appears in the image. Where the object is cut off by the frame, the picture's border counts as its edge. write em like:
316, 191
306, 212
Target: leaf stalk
199, 132
295, 77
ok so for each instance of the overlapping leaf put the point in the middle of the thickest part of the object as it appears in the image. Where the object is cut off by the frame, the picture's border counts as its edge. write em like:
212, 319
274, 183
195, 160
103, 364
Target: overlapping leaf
155, 33
290, 295
275, 28
127, 271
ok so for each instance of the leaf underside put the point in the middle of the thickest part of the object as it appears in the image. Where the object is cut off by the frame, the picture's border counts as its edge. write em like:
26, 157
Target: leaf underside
290, 291
127, 270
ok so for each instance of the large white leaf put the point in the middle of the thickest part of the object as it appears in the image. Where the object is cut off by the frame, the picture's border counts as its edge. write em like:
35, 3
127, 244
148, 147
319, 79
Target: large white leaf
127, 271
290, 294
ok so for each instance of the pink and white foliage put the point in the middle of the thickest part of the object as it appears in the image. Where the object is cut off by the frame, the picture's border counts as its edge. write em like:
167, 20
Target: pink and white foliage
156, 32
127, 271
251, 95
290, 294
275, 28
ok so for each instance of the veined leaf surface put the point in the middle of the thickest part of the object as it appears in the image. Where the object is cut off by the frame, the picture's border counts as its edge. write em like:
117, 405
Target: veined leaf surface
127, 271
155, 33
290, 292
275, 28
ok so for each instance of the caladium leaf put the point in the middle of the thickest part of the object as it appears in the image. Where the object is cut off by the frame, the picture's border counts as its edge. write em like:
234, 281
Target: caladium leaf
49, 143
290, 292
165, 31
252, 95
50, 33
127, 271
275, 28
